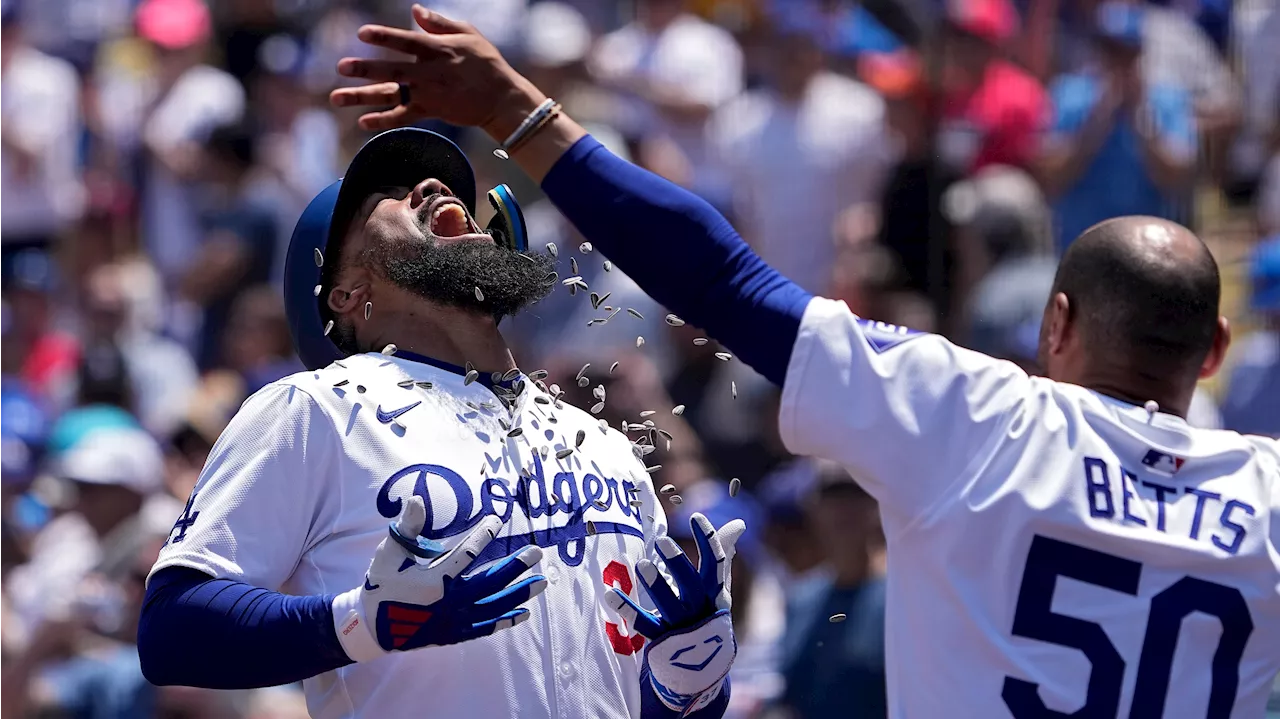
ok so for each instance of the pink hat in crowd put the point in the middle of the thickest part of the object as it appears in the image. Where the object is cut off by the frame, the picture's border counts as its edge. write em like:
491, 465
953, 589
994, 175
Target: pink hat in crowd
992, 20
174, 24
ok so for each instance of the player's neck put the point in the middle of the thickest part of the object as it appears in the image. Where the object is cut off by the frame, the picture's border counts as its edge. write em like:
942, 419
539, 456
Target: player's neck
1170, 401
442, 333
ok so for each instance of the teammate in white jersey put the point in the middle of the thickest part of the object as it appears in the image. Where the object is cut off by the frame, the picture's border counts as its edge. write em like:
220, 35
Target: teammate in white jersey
282, 566
1058, 546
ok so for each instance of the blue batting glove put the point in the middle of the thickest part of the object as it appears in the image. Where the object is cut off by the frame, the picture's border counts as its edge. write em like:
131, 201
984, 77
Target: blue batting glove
692, 644
416, 596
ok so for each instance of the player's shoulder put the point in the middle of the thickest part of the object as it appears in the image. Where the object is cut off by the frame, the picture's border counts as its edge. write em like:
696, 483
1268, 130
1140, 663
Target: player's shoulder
593, 430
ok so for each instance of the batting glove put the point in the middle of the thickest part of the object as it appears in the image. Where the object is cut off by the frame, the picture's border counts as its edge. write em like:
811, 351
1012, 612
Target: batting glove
415, 594
692, 644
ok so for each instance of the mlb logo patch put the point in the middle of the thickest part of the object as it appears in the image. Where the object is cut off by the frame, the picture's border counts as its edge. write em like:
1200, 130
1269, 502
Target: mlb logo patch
1163, 463
883, 336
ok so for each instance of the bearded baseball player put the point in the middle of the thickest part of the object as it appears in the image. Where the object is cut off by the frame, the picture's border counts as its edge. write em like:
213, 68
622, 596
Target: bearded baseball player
1058, 546
371, 526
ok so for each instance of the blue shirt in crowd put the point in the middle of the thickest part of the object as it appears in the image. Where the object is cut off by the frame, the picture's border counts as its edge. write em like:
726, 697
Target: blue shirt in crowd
1116, 182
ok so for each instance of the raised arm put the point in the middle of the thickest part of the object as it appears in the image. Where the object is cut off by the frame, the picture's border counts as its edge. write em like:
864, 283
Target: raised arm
641, 222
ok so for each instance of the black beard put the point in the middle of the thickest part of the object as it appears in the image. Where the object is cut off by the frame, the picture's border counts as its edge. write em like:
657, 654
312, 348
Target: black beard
450, 274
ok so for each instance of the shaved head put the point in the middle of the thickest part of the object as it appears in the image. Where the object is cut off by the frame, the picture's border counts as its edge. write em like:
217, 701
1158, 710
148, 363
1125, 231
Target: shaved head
1142, 293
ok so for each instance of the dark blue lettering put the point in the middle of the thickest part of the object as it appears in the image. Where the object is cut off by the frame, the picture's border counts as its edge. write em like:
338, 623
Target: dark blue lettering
1093, 469
1201, 497
1161, 492
1226, 522
1127, 479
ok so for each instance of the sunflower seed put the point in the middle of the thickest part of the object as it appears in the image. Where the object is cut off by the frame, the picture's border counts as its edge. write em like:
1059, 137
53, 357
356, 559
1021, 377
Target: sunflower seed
584, 247
646, 449
836, 618
635, 313
319, 258
368, 310
634, 427
569, 281
328, 328
612, 315
677, 499
555, 499
608, 265
584, 381
579, 438
607, 308
515, 431
599, 503
648, 423
591, 528
389, 350
471, 377
675, 321
640, 341
636, 503
555, 390
699, 341
582, 371
724, 356
595, 300
613, 367
667, 488
734, 485
541, 400
597, 408
598, 392
604, 426
677, 410
405, 384
573, 265
360, 388
561, 454
596, 321
340, 364
472, 405
342, 383
479, 295
424, 385
552, 249
647, 413
316, 292
733, 387
551, 277
487, 404
573, 290
603, 297
511, 374
544, 451
468, 366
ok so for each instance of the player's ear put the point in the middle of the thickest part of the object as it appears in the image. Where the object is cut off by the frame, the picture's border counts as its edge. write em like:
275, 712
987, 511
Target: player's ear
348, 295
1057, 321
1218, 351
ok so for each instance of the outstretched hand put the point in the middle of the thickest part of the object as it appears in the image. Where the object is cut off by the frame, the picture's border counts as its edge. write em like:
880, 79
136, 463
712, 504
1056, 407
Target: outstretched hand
450, 71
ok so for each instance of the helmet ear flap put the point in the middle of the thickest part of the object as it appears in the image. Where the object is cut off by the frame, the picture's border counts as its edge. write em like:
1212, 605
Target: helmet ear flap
507, 226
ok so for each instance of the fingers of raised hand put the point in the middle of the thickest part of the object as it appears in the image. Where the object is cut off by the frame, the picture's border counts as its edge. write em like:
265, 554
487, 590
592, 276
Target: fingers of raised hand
687, 581
660, 593
410, 42
711, 559
633, 614
378, 70
511, 597
462, 556
378, 95
502, 573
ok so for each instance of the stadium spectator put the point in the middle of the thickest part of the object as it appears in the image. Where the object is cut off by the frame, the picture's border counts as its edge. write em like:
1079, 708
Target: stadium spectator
992, 110
1252, 403
810, 139
1117, 146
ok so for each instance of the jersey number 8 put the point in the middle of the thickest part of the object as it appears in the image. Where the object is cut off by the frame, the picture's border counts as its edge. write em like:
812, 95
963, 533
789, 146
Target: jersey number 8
1034, 619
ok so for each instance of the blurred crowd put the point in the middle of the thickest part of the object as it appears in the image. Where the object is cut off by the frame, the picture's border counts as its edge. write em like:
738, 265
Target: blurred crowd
926, 161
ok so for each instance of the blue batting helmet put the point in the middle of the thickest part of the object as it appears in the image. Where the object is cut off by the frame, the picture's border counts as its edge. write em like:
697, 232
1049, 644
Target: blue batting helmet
396, 158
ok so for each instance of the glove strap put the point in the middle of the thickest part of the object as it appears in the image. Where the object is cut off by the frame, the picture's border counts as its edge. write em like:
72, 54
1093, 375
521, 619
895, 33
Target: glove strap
355, 633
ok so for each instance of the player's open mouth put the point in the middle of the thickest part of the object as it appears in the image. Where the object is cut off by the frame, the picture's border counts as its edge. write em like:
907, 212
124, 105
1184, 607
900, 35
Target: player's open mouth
448, 218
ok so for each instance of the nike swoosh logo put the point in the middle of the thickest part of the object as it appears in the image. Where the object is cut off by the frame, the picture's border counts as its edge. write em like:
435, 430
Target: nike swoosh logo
386, 417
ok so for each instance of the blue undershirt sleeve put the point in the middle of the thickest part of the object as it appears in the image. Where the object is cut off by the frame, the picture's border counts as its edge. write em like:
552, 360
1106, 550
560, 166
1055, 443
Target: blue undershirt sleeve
682, 252
222, 634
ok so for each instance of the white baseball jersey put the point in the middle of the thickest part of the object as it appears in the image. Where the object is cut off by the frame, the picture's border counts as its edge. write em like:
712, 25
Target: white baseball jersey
1051, 550
300, 488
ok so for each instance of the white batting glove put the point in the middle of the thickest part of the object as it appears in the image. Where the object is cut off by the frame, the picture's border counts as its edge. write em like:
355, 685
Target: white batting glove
692, 645
416, 595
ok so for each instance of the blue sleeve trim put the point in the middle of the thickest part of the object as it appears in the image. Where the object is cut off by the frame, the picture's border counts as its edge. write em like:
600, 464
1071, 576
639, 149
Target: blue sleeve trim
651, 707
221, 634
682, 252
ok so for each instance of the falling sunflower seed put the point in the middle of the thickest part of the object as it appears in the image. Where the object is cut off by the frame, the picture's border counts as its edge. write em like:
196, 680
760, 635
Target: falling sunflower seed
591, 527
640, 341
647, 413
319, 258
582, 371
360, 388
570, 281
573, 290
699, 341
724, 356
538, 374
472, 376
551, 277
584, 381
735, 484
555, 498
390, 350
424, 385
613, 367
836, 618
468, 366
511, 374
573, 265
579, 438
515, 431
316, 292
597, 408
595, 300
635, 313
604, 297
677, 410
604, 426
733, 387
342, 383
328, 328
676, 499
561, 454
479, 295
599, 503
608, 265
552, 249
368, 310
596, 321
541, 400
675, 321
667, 488
405, 384
653, 469
584, 247
636, 503
598, 391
